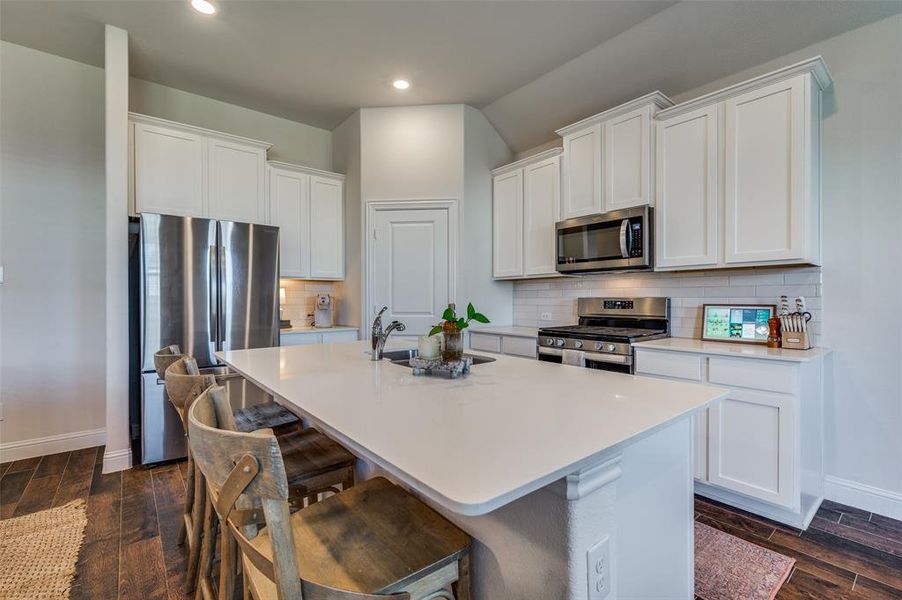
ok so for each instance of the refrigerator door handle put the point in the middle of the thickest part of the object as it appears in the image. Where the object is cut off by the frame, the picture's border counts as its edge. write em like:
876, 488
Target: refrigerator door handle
214, 297
220, 283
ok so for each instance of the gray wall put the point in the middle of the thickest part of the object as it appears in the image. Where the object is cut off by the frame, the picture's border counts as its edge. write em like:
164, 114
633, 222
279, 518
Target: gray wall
293, 142
52, 335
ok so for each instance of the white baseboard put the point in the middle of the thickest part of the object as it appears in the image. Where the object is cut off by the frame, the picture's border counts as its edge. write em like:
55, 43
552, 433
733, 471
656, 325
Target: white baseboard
866, 497
52, 444
117, 460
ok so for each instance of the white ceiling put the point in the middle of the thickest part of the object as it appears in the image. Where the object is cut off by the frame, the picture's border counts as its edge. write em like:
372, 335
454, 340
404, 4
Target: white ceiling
531, 66
316, 62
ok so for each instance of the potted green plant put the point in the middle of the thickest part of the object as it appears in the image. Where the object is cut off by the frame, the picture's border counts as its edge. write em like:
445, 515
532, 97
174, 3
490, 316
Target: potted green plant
451, 328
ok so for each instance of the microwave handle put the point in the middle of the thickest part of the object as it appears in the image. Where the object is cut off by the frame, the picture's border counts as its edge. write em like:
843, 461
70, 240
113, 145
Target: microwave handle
624, 239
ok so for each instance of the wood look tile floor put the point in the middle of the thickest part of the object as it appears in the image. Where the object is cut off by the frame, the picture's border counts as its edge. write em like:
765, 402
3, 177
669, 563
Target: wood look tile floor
133, 521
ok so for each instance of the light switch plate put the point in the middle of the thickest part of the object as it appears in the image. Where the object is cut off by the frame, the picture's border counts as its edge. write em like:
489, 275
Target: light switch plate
1, 274
598, 563
546, 316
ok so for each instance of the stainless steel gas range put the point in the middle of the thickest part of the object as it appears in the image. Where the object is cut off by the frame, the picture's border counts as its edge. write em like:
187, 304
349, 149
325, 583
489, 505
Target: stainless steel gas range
607, 330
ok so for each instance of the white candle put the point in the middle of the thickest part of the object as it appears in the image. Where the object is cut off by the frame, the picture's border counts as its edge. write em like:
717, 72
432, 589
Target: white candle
429, 346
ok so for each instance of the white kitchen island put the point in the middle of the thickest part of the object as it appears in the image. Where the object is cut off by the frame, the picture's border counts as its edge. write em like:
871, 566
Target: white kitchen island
542, 464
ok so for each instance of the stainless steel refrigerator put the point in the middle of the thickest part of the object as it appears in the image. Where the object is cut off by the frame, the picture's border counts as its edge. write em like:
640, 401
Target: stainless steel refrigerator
204, 285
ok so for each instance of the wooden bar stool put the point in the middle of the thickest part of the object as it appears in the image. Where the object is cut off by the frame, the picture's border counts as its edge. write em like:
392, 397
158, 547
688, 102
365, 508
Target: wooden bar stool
316, 464
372, 541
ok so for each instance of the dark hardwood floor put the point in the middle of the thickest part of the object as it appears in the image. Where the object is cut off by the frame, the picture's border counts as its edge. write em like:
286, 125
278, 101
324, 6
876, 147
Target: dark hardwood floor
133, 521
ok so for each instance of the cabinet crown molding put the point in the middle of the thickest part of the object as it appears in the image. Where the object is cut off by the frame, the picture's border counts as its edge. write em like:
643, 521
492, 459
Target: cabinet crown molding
657, 99
816, 66
148, 120
527, 161
302, 169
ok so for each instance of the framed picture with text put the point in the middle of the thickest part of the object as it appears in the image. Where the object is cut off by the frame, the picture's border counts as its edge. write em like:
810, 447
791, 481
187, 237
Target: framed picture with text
745, 323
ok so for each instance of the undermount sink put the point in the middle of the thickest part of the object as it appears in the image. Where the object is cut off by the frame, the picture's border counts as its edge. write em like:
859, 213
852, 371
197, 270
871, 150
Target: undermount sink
402, 357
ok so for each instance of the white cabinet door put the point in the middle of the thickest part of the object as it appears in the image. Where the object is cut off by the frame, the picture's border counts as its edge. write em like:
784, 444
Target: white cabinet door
541, 210
300, 339
236, 184
700, 445
169, 174
752, 446
334, 337
582, 173
327, 260
289, 198
765, 177
627, 156
507, 224
686, 215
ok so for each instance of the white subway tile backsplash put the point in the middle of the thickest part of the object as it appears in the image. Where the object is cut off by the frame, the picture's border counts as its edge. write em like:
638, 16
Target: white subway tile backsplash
687, 293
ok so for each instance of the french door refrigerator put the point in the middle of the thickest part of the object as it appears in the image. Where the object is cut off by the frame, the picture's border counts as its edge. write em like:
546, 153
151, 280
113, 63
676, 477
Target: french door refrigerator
204, 285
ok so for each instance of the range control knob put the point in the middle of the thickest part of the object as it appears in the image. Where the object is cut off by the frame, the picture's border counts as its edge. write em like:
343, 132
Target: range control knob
549, 341
611, 347
577, 344
599, 346
559, 342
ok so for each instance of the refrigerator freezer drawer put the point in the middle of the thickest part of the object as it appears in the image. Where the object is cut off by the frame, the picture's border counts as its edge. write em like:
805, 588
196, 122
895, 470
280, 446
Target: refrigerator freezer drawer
162, 434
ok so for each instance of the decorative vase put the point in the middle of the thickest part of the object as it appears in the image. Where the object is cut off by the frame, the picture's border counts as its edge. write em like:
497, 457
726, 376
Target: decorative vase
453, 348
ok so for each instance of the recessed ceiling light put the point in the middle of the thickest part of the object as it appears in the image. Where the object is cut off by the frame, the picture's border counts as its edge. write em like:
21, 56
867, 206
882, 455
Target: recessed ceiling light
400, 84
203, 6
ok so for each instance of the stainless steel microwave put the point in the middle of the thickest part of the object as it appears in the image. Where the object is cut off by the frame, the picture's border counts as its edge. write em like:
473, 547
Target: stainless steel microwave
614, 241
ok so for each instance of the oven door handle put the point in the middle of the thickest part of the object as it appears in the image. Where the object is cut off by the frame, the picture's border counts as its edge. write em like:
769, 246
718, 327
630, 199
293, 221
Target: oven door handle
618, 359
624, 239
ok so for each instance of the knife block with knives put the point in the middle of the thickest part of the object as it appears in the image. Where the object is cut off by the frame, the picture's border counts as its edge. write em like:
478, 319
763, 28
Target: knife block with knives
794, 326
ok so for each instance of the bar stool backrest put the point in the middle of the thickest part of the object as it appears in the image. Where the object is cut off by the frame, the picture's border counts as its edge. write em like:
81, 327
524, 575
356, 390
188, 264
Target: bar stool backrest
164, 357
184, 384
246, 469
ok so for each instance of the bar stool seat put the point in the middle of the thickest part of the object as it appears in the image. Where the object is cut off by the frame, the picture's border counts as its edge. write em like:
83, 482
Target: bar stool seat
269, 415
374, 539
308, 456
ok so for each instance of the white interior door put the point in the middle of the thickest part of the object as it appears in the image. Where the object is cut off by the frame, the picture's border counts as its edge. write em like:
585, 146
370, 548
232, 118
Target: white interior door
410, 261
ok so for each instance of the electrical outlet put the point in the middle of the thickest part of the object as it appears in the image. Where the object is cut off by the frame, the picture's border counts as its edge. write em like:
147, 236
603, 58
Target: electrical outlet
545, 316
598, 560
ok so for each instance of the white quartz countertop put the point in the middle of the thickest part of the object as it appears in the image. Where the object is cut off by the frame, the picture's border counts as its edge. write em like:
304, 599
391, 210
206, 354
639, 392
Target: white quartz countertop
514, 330
733, 349
477, 443
311, 329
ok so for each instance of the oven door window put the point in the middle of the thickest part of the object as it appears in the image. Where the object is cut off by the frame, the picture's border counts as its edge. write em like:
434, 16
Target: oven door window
590, 243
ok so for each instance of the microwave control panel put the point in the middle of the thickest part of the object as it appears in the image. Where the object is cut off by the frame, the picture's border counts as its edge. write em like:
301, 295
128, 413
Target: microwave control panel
636, 239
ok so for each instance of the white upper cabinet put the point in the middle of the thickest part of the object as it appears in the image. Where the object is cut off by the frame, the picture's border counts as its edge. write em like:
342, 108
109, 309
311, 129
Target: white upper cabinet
188, 171
608, 160
168, 170
237, 187
307, 205
541, 210
627, 156
686, 217
327, 257
289, 200
527, 205
582, 172
507, 224
766, 176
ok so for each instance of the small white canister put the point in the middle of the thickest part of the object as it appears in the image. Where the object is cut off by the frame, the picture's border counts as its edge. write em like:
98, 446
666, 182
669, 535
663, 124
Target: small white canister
430, 346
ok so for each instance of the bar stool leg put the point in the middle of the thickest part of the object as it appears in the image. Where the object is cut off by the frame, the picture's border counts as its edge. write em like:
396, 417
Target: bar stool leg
189, 500
227, 563
462, 586
207, 549
195, 529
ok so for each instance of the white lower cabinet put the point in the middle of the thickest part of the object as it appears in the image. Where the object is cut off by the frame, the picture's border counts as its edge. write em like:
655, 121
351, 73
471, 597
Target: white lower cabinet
314, 336
511, 344
761, 447
751, 446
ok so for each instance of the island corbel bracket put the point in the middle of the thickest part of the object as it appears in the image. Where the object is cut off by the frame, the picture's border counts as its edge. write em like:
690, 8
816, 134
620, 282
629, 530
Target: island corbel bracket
587, 480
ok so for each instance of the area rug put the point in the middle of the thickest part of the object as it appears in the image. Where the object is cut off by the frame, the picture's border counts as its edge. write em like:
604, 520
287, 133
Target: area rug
38, 552
727, 567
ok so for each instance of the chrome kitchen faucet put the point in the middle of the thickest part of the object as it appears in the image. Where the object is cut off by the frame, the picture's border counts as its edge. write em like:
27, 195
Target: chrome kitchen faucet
378, 336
